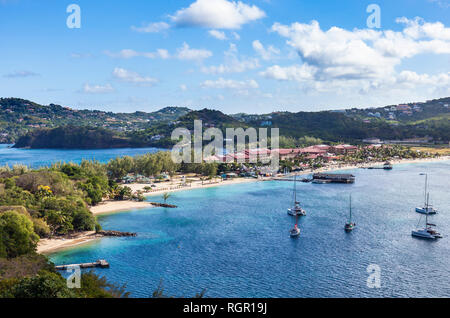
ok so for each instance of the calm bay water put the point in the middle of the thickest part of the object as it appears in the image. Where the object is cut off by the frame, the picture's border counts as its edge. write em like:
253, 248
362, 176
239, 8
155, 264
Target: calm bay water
234, 240
36, 158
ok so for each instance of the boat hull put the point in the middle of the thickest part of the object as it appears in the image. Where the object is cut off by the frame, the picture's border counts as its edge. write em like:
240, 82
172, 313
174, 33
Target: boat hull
425, 235
424, 211
349, 227
293, 212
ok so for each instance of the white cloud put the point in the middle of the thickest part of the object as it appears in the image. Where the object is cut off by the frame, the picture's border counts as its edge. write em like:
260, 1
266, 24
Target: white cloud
442, 3
155, 27
222, 83
133, 77
183, 87
265, 53
412, 78
21, 74
128, 54
233, 64
217, 14
297, 73
186, 53
220, 35
97, 89
236, 36
359, 60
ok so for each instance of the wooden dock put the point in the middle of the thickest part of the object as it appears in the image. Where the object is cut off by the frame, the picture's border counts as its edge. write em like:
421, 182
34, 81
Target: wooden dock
98, 264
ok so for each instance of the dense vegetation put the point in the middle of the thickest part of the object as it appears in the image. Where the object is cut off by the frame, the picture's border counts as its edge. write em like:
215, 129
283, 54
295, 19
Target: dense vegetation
107, 130
74, 137
19, 116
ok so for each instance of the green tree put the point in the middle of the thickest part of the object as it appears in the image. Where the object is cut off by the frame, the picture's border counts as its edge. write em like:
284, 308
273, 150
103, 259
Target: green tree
43, 285
17, 236
166, 197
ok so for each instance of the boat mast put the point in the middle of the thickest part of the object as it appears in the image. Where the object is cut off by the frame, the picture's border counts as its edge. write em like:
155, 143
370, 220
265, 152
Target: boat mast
295, 190
426, 189
350, 208
426, 207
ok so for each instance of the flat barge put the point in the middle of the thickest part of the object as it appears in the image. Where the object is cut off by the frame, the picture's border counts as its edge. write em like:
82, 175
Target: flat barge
333, 178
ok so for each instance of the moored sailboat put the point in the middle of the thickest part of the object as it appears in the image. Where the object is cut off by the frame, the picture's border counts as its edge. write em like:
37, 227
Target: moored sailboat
427, 208
428, 232
350, 225
297, 210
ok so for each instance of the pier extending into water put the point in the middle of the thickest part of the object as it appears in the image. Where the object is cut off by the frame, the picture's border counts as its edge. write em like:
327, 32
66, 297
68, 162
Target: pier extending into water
98, 264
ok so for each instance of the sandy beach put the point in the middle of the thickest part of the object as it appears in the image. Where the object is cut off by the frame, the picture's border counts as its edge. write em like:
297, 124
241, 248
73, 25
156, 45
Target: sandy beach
168, 187
118, 206
46, 246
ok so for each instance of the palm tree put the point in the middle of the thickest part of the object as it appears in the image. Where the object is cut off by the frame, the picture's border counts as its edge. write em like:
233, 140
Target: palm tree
166, 196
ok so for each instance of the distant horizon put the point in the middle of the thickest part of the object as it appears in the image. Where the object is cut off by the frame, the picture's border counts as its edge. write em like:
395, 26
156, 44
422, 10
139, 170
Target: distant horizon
252, 56
212, 108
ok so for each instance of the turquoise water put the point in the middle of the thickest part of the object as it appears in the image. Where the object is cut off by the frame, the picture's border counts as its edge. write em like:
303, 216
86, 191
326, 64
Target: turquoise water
234, 240
36, 158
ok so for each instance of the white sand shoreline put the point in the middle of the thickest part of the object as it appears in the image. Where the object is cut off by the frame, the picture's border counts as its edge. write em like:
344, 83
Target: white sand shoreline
107, 207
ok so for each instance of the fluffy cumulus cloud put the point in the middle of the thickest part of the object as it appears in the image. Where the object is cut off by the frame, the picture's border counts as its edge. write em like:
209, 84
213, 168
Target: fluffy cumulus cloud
155, 27
128, 54
233, 63
186, 53
133, 77
220, 35
358, 58
299, 73
266, 53
217, 14
97, 89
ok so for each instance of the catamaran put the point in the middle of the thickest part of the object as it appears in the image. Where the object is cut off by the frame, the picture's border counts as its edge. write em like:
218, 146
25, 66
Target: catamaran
297, 209
428, 232
427, 208
350, 226
295, 232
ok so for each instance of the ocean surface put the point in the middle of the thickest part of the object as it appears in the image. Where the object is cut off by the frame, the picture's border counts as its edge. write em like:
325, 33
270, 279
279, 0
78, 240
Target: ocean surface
36, 158
234, 241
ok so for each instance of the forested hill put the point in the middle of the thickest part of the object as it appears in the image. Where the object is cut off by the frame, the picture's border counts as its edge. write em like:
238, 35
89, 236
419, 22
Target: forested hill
74, 137
429, 120
19, 116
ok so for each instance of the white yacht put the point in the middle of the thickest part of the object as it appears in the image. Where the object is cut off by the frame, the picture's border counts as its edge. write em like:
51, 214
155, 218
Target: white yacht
427, 208
297, 210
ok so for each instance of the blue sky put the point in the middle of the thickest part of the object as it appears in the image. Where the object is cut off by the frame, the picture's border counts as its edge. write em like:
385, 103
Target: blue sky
235, 56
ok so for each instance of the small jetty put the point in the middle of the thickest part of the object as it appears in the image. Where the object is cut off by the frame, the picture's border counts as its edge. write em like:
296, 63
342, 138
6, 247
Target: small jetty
163, 205
98, 264
333, 178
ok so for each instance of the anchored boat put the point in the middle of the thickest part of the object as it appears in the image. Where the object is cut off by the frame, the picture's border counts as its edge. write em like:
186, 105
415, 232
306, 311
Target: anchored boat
350, 226
427, 208
428, 232
295, 232
297, 210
